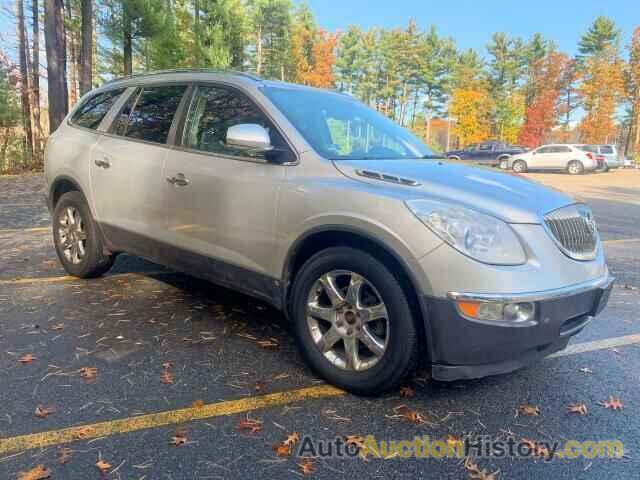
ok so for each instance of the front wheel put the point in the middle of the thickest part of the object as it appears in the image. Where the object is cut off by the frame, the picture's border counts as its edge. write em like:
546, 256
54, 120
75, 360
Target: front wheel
575, 167
353, 322
77, 239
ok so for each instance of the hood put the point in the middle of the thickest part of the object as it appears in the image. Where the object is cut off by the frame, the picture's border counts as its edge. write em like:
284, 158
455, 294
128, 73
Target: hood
504, 195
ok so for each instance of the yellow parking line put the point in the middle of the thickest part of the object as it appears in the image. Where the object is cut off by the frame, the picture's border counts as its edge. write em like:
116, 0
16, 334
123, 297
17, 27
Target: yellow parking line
171, 417
67, 278
621, 240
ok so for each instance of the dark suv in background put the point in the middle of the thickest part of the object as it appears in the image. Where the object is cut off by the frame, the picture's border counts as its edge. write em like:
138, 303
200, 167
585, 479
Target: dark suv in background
491, 153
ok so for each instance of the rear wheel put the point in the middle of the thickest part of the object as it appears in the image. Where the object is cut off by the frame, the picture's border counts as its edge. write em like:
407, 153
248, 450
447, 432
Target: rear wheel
77, 239
519, 166
353, 322
575, 167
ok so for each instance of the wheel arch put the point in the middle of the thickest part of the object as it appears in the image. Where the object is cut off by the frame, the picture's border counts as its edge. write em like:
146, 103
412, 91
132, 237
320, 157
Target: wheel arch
320, 238
61, 185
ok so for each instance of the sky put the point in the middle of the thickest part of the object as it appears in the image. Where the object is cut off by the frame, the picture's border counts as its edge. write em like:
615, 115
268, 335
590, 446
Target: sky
471, 23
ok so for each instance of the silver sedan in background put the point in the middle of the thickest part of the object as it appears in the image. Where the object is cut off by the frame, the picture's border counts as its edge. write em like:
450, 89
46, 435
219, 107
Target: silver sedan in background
569, 158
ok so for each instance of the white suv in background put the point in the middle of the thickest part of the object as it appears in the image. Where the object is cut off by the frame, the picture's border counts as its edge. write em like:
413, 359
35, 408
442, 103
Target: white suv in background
569, 158
607, 153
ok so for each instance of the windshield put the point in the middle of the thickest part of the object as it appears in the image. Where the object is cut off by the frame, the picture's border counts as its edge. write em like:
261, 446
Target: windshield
339, 127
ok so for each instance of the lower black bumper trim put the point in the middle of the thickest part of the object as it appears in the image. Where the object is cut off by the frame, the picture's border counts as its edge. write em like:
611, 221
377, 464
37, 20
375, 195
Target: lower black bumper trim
447, 373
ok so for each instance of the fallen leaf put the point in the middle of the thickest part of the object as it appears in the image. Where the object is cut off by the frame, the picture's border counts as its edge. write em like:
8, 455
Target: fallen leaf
28, 358
102, 466
410, 415
250, 424
64, 455
42, 412
529, 410
36, 473
306, 466
291, 439
406, 392
356, 440
89, 374
282, 450
579, 408
268, 344
259, 386
178, 440
82, 433
475, 473
197, 404
166, 377
612, 403
58, 326
537, 450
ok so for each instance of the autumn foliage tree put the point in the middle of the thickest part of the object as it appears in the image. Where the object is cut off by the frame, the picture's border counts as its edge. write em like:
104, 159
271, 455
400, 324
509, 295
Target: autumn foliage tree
471, 105
602, 88
541, 114
320, 72
633, 93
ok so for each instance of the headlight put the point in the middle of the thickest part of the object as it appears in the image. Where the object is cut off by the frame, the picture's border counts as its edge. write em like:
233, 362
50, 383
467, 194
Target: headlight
475, 234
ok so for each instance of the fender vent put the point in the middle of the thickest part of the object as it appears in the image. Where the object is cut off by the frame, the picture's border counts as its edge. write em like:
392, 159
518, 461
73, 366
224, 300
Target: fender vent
387, 178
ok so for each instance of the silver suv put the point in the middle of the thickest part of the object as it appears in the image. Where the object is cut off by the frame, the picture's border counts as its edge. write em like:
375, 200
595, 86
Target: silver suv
380, 255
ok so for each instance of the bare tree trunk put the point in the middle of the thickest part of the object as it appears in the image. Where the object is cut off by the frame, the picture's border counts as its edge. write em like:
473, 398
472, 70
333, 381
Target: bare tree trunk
259, 50
86, 52
127, 45
35, 83
196, 8
24, 78
415, 107
73, 56
56, 62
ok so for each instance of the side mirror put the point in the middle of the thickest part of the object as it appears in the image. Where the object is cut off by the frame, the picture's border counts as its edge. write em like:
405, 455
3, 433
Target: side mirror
250, 136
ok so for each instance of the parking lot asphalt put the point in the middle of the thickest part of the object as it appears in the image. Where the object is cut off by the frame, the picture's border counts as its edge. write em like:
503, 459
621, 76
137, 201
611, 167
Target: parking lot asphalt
193, 381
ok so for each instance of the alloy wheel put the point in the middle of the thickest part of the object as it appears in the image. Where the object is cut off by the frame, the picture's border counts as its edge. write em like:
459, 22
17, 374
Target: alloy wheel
348, 320
72, 235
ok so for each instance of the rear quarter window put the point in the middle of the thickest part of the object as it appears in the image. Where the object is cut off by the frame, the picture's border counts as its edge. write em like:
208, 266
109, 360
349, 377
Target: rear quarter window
93, 110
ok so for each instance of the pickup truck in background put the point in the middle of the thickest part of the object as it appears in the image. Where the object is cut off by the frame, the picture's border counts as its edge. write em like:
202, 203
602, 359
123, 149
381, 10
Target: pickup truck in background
491, 153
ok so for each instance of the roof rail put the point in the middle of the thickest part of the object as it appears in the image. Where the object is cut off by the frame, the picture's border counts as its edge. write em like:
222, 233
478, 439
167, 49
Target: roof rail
184, 70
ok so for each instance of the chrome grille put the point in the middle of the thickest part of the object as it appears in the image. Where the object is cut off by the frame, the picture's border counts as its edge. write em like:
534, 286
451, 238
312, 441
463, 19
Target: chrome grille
574, 231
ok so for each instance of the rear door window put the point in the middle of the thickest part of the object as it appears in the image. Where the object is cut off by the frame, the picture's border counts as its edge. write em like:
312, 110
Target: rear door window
94, 109
151, 114
606, 149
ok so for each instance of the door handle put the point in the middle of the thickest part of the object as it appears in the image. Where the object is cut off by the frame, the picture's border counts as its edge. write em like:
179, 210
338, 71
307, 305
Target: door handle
104, 163
179, 180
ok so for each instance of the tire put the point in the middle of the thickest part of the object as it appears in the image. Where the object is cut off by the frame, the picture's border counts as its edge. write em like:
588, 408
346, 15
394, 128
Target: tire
85, 258
375, 374
454, 158
519, 166
575, 167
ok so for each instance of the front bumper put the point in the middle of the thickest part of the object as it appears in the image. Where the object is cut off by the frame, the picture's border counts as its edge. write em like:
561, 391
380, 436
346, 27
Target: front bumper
461, 348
